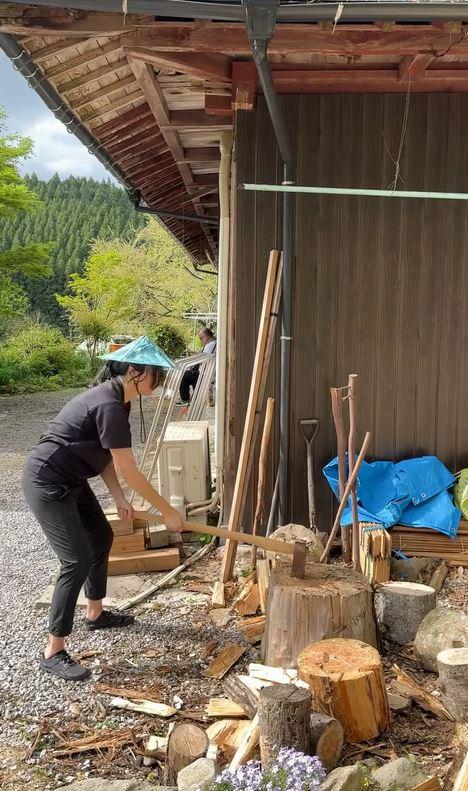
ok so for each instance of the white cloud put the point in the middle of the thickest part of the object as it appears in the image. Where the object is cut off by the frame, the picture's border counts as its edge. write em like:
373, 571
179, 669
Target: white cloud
57, 151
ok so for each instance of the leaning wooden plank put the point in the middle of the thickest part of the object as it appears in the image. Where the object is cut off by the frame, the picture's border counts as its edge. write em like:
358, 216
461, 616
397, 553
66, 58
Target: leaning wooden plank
410, 688
240, 693
227, 657
263, 350
275, 675
252, 628
248, 744
263, 579
129, 603
222, 707
144, 707
123, 545
142, 562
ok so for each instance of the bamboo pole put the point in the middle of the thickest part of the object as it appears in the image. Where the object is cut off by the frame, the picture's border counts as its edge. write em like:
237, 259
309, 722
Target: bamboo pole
352, 398
262, 463
346, 494
337, 411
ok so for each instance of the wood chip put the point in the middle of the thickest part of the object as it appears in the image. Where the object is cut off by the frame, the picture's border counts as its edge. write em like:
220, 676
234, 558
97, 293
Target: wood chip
154, 695
248, 600
263, 578
227, 657
252, 628
218, 598
144, 707
410, 688
222, 707
275, 675
208, 649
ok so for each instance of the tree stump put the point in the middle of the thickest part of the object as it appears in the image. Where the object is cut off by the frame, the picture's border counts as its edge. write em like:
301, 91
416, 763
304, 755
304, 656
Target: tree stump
331, 601
186, 744
400, 607
453, 675
326, 739
284, 719
346, 681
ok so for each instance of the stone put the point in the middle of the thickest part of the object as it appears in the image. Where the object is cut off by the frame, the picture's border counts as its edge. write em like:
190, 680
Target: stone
399, 775
291, 533
398, 703
441, 629
119, 589
100, 784
202, 771
345, 778
408, 570
221, 616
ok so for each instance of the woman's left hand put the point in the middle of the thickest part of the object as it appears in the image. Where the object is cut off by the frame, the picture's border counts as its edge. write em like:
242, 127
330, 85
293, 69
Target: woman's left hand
124, 508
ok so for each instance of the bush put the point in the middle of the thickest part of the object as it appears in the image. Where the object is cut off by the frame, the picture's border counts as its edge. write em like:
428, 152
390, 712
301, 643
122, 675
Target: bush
169, 338
40, 358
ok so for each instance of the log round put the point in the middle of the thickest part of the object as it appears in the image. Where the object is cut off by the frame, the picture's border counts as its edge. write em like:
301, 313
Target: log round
400, 608
326, 739
284, 720
186, 744
331, 601
346, 681
453, 676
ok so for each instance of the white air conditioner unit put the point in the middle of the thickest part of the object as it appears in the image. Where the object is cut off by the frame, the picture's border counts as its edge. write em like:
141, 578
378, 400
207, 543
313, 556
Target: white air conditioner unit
184, 465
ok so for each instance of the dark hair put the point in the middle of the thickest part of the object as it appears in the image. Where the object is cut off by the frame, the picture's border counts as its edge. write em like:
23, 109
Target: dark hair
113, 369
206, 331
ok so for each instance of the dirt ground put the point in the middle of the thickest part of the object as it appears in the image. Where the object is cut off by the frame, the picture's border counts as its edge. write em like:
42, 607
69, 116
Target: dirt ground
165, 652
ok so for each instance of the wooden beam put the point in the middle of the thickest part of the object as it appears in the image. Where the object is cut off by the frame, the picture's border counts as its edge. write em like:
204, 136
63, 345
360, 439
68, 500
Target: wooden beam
108, 90
61, 46
206, 179
218, 105
84, 60
205, 67
128, 124
244, 85
117, 104
347, 40
413, 66
45, 21
367, 81
196, 119
91, 76
199, 154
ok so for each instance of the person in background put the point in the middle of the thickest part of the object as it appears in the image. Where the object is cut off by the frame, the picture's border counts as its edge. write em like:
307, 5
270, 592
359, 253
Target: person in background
90, 437
190, 377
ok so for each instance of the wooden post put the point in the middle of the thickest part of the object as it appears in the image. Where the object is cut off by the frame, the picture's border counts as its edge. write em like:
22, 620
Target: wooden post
186, 744
346, 494
337, 411
265, 340
352, 398
262, 463
284, 719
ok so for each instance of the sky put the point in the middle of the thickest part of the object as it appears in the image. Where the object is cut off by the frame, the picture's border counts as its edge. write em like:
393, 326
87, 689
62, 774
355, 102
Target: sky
55, 150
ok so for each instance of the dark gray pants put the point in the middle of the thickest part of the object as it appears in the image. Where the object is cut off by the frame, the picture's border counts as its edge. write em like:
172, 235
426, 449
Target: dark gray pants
80, 536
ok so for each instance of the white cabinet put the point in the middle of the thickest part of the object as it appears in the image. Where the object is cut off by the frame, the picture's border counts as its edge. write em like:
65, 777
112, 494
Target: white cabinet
184, 464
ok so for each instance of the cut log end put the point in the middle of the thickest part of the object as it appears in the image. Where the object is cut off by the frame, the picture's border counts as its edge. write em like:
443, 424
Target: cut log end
186, 744
453, 676
326, 738
400, 609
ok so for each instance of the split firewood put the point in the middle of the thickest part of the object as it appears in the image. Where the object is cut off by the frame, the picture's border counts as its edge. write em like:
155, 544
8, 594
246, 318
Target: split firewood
461, 782
156, 747
228, 735
249, 742
218, 731
208, 649
218, 598
275, 675
187, 743
144, 707
326, 738
248, 600
153, 695
254, 684
223, 707
227, 657
409, 688
252, 628
438, 578
263, 580
237, 691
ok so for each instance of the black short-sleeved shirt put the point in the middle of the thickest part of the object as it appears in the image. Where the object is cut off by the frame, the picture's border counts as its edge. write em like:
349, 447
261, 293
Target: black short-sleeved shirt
77, 443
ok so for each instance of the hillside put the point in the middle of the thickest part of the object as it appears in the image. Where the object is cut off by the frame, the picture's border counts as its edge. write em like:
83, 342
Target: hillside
75, 211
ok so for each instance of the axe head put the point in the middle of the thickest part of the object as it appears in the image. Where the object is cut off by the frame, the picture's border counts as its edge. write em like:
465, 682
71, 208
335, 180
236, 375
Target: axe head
299, 559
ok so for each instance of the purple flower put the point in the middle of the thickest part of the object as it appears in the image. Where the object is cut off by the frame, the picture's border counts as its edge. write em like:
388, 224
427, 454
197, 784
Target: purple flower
292, 771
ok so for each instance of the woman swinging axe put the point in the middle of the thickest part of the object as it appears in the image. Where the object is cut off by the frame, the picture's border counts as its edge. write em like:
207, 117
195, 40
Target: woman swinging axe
90, 437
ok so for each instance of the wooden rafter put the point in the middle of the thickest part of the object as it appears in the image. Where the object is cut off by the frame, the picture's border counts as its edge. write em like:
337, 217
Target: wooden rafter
91, 76
199, 154
108, 90
218, 105
196, 119
205, 67
44, 21
367, 81
413, 66
83, 60
117, 104
62, 45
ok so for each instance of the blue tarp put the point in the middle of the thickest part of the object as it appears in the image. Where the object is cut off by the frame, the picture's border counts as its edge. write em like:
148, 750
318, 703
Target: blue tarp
412, 492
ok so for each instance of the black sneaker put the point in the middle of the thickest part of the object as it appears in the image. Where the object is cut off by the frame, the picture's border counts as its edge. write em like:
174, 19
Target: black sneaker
62, 665
110, 620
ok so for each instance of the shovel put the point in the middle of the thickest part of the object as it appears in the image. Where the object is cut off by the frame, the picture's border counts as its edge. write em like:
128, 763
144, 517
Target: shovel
309, 429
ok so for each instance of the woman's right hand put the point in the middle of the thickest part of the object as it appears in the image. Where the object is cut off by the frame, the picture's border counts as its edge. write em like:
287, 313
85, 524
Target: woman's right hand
173, 520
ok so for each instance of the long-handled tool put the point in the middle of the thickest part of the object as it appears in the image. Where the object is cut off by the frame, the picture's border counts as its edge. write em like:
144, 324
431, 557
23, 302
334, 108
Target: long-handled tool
309, 429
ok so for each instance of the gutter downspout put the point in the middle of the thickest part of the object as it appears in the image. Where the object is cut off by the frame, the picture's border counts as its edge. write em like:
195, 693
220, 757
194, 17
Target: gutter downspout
261, 16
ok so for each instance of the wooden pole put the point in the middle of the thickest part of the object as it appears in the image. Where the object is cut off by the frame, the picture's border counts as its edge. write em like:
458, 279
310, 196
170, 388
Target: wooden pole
346, 494
262, 463
352, 398
265, 340
337, 411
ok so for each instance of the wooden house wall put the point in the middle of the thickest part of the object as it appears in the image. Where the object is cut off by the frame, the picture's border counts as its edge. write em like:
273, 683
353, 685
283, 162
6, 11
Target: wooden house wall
380, 285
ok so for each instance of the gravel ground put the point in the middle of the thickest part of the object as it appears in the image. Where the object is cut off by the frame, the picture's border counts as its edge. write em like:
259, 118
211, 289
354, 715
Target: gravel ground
163, 649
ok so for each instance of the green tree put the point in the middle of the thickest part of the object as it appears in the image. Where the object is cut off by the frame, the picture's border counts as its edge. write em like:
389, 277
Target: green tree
16, 198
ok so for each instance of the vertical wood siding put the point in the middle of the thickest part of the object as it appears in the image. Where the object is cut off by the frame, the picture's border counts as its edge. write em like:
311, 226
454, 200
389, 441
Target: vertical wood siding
380, 286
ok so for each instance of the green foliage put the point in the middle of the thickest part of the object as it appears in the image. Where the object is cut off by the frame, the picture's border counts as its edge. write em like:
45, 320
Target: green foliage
169, 337
72, 214
39, 357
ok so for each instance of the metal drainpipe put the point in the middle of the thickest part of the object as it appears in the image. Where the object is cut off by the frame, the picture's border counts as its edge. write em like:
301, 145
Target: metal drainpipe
261, 17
